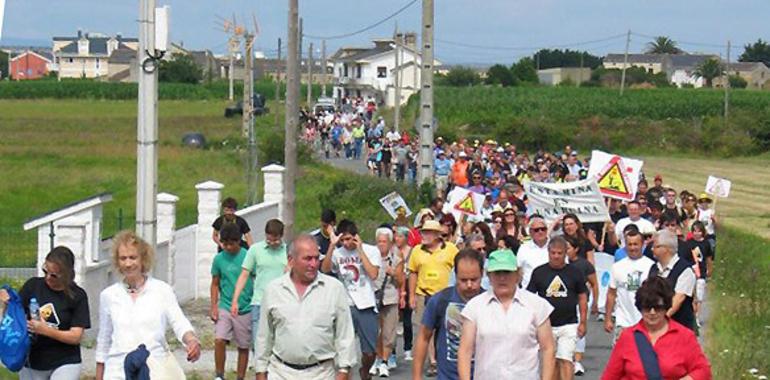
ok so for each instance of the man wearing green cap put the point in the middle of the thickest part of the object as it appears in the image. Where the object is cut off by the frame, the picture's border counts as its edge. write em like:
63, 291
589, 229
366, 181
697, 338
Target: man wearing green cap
442, 316
508, 329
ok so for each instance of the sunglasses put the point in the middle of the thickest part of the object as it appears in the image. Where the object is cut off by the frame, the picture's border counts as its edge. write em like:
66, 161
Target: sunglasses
444, 235
658, 308
539, 229
46, 273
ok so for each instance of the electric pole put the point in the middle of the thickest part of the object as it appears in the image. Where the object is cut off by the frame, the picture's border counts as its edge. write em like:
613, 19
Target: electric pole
299, 54
396, 82
278, 82
625, 63
309, 74
252, 176
292, 118
580, 73
426, 94
727, 85
248, 85
233, 45
323, 68
147, 129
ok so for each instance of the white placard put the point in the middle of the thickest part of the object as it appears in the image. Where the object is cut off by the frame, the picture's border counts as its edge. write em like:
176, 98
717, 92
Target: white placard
719, 187
622, 186
552, 200
603, 275
393, 202
462, 201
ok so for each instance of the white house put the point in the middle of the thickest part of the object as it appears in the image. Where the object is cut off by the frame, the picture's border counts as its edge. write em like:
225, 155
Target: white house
87, 55
365, 72
683, 77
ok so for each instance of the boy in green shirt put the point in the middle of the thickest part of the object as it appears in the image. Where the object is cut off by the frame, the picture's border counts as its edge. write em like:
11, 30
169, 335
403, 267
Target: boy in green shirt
230, 327
265, 261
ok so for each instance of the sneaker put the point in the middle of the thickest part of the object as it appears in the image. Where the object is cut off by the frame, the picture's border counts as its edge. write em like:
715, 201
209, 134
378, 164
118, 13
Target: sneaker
375, 367
384, 371
579, 370
392, 361
408, 355
600, 317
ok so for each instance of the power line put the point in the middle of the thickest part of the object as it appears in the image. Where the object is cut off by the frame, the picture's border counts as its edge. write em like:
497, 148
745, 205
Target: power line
488, 47
405, 7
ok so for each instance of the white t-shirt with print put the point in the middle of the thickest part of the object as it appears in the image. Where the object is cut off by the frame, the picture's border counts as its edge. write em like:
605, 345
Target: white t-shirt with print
347, 264
704, 216
627, 276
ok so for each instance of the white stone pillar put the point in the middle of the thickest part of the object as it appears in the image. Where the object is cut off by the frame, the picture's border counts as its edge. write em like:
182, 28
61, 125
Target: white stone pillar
209, 199
166, 207
274, 191
74, 237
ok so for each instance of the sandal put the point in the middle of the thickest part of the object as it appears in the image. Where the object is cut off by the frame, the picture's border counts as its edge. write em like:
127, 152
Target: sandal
433, 370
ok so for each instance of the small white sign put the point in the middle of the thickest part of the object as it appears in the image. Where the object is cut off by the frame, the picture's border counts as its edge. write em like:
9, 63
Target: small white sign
719, 187
393, 203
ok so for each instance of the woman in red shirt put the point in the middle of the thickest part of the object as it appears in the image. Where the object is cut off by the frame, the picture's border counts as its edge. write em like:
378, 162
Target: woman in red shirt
679, 356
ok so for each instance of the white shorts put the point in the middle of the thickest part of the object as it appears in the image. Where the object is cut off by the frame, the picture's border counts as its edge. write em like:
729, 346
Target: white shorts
700, 290
566, 340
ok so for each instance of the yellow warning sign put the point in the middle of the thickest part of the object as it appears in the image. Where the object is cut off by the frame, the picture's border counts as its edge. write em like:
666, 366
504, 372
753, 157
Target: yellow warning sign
612, 180
466, 205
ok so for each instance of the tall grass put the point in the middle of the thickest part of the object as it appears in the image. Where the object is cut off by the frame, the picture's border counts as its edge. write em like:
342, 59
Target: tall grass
739, 325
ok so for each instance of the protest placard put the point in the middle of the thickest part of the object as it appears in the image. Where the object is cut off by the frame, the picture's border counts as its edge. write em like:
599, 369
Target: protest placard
618, 177
718, 187
552, 200
394, 203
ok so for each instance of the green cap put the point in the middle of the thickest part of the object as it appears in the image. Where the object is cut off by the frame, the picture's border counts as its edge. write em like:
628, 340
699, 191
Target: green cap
502, 260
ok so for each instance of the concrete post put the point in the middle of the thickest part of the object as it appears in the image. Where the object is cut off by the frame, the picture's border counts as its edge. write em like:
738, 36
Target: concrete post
166, 227
209, 199
74, 237
274, 186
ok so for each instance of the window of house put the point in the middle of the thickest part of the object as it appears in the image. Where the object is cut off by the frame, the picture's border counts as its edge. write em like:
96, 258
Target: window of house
345, 66
358, 71
70, 60
382, 72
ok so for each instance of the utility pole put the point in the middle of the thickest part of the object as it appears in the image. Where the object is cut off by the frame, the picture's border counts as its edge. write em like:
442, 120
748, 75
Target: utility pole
248, 85
396, 82
299, 54
309, 74
727, 85
323, 68
580, 73
248, 120
625, 63
233, 46
278, 82
426, 94
292, 118
147, 129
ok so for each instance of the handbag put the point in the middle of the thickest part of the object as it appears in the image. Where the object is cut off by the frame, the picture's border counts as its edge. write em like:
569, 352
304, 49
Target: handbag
14, 338
648, 356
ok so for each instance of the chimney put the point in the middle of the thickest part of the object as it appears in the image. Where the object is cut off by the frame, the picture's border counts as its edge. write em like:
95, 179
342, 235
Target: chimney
80, 34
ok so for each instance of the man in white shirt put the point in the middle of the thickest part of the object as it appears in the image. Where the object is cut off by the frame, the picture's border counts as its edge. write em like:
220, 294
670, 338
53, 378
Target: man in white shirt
627, 276
634, 217
393, 135
533, 253
357, 264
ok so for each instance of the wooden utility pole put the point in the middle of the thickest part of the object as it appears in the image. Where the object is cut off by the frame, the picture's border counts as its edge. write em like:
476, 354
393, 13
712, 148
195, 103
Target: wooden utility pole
309, 74
292, 119
426, 94
323, 68
278, 64
580, 73
397, 82
727, 86
625, 63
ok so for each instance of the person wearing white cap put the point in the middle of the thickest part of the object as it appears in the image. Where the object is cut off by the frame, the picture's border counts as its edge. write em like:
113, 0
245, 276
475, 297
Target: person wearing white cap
460, 170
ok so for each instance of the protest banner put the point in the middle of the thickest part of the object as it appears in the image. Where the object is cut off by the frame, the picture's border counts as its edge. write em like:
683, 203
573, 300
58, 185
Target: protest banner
464, 202
618, 177
603, 274
394, 203
552, 200
718, 187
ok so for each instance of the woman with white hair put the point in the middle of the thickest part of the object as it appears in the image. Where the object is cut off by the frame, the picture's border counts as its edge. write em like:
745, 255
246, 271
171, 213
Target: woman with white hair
678, 274
389, 282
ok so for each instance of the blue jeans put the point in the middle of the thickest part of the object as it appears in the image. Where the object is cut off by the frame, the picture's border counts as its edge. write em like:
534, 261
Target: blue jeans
254, 325
357, 148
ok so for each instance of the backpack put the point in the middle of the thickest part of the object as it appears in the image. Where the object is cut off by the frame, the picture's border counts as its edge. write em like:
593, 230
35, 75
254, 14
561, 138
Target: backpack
14, 339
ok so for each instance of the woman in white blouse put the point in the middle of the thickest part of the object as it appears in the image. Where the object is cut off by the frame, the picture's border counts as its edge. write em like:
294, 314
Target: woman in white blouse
138, 310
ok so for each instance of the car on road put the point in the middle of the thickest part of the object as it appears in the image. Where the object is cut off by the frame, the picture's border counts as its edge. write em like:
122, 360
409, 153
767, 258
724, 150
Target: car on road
259, 107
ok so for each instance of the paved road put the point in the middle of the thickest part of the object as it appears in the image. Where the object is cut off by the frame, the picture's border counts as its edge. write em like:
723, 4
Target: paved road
598, 343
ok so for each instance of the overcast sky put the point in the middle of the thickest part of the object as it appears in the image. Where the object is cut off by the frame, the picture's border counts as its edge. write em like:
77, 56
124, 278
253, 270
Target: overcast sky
521, 25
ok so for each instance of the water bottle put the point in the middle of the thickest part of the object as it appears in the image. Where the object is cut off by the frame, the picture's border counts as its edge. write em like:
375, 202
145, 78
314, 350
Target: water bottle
34, 312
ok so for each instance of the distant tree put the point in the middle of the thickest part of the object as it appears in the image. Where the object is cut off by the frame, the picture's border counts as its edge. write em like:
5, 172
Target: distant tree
737, 81
462, 77
3, 64
663, 45
180, 69
756, 52
525, 71
709, 69
499, 74
565, 58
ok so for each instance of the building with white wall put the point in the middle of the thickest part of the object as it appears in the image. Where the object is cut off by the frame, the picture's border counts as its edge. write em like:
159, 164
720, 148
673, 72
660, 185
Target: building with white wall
87, 54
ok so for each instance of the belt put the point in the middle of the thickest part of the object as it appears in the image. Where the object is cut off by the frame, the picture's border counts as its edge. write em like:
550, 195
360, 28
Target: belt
300, 367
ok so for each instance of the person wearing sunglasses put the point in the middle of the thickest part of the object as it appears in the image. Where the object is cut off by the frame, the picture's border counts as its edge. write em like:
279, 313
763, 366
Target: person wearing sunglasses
657, 347
63, 316
533, 253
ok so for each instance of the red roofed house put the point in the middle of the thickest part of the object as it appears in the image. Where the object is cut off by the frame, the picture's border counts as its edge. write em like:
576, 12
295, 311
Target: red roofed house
29, 65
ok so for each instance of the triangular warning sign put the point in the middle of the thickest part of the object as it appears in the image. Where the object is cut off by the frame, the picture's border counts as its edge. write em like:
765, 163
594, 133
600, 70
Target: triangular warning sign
556, 289
466, 205
613, 180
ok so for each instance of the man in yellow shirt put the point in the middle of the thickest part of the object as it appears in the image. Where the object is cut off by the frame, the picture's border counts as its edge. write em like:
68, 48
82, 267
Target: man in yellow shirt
430, 267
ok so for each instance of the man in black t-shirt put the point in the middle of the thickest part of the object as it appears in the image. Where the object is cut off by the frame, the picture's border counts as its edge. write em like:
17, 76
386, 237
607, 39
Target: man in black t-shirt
323, 236
564, 287
229, 205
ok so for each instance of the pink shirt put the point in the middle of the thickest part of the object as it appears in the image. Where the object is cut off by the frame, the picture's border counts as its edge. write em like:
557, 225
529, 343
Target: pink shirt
506, 341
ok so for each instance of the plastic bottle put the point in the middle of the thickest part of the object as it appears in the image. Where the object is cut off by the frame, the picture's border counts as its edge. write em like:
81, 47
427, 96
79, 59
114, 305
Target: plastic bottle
34, 312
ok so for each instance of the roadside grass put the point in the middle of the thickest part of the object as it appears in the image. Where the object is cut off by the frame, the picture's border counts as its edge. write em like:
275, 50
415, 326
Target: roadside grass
739, 324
